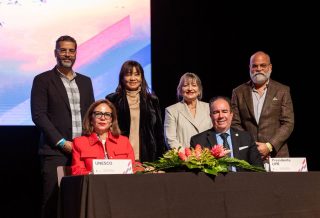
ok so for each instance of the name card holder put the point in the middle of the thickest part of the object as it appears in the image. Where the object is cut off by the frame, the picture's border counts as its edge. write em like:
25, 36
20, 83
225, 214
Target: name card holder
108, 166
293, 164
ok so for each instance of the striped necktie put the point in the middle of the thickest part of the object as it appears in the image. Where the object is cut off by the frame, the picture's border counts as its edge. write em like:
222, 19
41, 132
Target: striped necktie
224, 137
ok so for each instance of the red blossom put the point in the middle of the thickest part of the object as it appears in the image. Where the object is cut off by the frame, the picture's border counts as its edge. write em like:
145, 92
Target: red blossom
218, 151
187, 151
182, 156
198, 151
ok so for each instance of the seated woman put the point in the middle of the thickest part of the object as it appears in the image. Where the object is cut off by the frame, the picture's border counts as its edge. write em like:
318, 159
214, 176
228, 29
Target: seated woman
101, 140
189, 116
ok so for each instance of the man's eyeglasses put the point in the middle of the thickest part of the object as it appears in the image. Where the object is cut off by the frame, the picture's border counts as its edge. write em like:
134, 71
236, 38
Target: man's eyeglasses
99, 114
263, 66
63, 51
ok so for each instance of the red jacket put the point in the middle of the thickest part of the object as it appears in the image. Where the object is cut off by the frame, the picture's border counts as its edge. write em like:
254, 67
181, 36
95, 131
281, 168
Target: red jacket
87, 148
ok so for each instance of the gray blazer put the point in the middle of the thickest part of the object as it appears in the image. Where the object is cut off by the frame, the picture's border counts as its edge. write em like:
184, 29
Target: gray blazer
180, 125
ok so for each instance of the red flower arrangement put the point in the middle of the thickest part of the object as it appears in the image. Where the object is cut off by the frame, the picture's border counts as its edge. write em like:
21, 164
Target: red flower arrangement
211, 161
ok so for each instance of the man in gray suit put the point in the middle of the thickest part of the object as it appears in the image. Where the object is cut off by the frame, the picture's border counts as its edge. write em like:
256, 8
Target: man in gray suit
264, 107
240, 143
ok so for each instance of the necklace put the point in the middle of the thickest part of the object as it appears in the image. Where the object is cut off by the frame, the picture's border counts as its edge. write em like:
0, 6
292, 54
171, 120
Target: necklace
103, 142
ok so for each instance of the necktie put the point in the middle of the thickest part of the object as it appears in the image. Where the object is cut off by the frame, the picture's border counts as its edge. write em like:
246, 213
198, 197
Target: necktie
224, 137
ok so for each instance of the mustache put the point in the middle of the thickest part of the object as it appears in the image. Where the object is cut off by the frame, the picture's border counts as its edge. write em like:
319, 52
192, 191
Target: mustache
257, 74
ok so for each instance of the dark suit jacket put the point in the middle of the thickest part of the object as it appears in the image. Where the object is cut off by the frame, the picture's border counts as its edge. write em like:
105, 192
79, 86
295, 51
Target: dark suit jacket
152, 144
240, 140
50, 108
277, 118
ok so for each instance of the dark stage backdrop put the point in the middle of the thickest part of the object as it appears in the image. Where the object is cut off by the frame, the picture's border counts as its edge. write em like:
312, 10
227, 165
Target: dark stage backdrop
215, 41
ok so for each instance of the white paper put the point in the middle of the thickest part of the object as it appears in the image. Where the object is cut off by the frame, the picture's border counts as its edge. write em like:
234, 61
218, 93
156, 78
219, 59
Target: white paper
297, 164
108, 166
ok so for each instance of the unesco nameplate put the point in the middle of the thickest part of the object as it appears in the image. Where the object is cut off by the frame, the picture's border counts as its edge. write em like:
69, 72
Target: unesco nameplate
107, 166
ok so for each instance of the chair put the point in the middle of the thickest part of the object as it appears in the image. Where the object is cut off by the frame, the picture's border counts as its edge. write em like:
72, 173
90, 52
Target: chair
63, 171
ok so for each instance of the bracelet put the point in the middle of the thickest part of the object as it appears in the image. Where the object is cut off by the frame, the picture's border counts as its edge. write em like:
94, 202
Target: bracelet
61, 143
269, 146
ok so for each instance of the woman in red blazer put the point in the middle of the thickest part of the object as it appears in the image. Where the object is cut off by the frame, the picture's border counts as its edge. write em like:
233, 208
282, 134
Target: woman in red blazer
101, 140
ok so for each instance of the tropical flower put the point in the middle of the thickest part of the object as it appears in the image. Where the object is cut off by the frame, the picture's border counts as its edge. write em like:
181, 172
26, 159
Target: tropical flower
211, 161
218, 151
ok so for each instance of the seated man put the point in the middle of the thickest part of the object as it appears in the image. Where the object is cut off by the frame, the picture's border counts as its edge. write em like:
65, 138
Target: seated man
240, 143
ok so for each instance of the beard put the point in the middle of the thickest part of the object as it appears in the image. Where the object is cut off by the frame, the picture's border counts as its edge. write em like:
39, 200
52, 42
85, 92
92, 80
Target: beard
68, 63
260, 78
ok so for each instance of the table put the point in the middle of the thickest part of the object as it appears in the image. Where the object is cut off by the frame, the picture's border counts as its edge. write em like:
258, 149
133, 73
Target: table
186, 194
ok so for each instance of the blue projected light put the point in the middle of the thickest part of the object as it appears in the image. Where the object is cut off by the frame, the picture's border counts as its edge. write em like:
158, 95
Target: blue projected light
108, 33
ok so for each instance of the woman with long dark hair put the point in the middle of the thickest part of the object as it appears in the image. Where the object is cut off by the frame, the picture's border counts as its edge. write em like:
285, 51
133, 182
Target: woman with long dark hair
139, 113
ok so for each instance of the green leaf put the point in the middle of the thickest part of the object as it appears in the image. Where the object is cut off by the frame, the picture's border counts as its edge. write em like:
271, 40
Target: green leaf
204, 162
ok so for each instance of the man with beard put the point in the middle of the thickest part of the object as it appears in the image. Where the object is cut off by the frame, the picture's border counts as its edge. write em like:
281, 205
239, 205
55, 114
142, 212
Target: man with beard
264, 107
59, 99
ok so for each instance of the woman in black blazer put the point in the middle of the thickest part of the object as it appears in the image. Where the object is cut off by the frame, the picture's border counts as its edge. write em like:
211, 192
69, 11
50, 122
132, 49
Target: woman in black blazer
139, 113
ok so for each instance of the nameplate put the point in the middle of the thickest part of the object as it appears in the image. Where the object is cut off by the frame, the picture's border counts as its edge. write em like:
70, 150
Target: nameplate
293, 164
107, 166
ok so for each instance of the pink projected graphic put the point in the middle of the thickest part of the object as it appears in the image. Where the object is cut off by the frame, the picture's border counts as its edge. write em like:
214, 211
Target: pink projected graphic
108, 33
101, 42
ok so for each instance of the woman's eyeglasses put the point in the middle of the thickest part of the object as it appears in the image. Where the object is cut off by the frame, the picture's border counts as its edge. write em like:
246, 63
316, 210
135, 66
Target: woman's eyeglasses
99, 114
